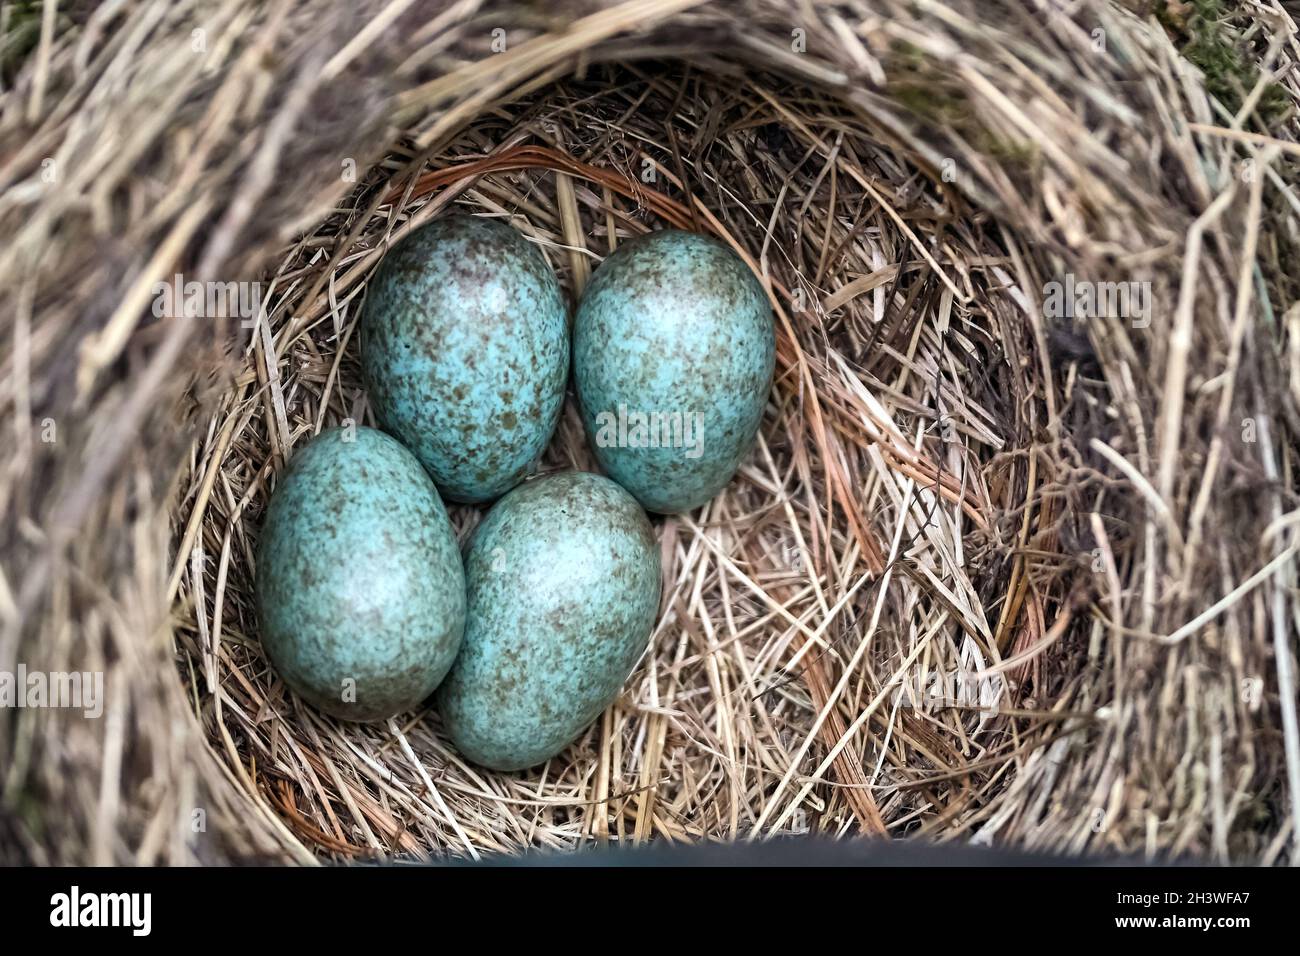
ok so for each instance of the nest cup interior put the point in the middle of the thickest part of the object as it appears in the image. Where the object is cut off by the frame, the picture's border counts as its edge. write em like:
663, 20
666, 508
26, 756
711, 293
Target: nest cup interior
845, 640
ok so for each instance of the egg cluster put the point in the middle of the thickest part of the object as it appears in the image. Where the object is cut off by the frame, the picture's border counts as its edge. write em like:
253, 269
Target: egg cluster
366, 604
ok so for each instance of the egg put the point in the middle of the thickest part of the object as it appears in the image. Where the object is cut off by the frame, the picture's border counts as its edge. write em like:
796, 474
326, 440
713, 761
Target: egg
360, 590
465, 353
563, 585
673, 354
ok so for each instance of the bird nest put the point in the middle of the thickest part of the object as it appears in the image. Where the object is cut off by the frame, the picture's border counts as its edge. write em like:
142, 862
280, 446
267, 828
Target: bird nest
1011, 562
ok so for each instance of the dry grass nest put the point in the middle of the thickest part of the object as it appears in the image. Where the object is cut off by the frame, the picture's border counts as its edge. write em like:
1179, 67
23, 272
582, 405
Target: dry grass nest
1093, 520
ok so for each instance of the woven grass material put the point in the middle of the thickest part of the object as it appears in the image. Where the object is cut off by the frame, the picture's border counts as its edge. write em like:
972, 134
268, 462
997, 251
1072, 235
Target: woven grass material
1098, 517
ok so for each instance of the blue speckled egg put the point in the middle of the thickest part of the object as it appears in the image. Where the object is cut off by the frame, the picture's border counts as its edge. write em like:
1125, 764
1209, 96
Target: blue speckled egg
673, 353
360, 587
563, 587
465, 353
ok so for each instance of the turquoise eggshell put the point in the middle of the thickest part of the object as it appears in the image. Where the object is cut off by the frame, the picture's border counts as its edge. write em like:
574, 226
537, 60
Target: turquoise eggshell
360, 587
673, 354
563, 583
465, 353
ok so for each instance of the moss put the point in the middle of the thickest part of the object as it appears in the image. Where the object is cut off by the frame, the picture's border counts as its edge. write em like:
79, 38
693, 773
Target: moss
931, 105
1205, 35
1010, 152
930, 95
1278, 249
29, 809
22, 31
925, 91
